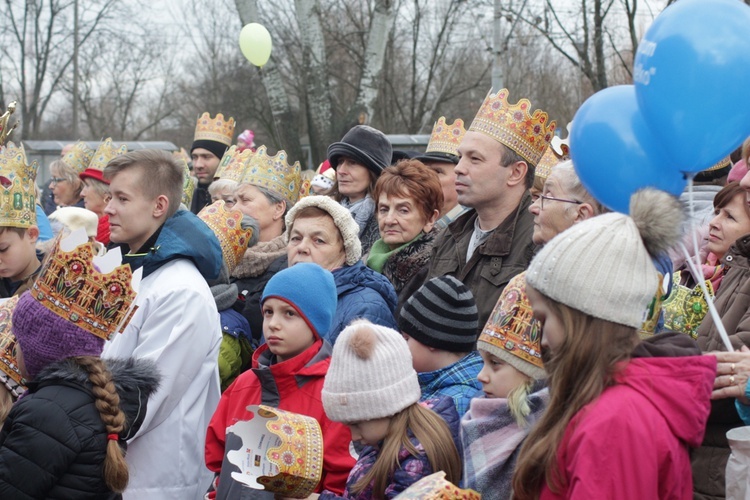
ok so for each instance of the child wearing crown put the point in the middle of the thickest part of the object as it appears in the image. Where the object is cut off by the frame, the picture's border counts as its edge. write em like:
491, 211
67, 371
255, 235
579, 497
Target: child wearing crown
66, 438
19, 233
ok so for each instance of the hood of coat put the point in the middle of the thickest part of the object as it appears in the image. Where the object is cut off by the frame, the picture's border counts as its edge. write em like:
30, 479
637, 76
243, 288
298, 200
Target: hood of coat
135, 381
671, 373
349, 278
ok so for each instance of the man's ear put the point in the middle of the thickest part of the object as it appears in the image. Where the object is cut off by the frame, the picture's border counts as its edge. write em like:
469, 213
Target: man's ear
517, 173
161, 206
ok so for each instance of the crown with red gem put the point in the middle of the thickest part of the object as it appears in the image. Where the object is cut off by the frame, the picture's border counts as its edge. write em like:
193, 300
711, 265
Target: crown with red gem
17, 188
514, 125
10, 374
275, 174
95, 292
558, 151
227, 226
214, 129
446, 138
233, 164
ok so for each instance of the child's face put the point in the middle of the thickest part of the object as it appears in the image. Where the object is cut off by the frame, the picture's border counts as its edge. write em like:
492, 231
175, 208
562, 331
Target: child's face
553, 332
369, 432
286, 333
422, 357
17, 254
497, 377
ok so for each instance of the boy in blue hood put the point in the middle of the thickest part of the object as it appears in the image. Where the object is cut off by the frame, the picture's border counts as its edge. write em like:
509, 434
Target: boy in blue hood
176, 324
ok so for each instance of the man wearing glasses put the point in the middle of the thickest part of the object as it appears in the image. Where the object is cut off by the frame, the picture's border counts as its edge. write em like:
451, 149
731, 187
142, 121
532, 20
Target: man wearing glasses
491, 243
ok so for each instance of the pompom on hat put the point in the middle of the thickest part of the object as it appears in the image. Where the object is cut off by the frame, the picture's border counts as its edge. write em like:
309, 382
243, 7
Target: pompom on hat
371, 375
603, 266
342, 218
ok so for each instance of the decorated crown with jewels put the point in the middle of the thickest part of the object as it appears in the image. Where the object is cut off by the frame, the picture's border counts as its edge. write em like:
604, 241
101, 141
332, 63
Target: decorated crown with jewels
79, 157
17, 188
105, 153
446, 138
275, 174
214, 129
188, 186
10, 373
227, 226
233, 164
95, 292
514, 125
558, 151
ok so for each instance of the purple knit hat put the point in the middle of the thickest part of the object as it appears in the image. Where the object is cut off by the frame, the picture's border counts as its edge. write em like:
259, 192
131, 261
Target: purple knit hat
44, 337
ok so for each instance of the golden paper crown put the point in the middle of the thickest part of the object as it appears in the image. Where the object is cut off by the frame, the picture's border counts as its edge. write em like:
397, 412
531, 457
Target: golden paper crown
93, 292
233, 164
275, 174
214, 129
17, 191
5, 129
511, 329
105, 153
513, 125
558, 151
723, 163
227, 226
79, 157
10, 375
436, 487
188, 186
446, 138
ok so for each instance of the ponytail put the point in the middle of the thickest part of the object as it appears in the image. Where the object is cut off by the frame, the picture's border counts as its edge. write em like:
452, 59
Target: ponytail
108, 403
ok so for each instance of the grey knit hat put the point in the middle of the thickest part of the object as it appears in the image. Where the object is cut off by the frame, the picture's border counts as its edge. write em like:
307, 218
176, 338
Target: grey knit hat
371, 375
342, 218
603, 265
442, 314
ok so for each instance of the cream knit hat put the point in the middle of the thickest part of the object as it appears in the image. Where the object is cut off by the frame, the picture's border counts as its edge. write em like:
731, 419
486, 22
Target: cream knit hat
342, 218
371, 374
603, 266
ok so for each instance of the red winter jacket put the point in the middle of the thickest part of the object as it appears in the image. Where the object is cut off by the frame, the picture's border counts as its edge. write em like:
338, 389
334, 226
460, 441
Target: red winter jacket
632, 442
293, 385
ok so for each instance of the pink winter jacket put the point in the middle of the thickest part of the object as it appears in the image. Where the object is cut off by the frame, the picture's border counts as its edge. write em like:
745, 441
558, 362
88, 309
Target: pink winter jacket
632, 442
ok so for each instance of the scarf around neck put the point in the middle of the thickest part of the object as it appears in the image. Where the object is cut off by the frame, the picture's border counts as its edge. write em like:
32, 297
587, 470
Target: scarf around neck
380, 252
257, 258
361, 210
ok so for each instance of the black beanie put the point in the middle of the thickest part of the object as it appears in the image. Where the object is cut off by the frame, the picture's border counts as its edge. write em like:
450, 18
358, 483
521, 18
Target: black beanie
442, 314
217, 148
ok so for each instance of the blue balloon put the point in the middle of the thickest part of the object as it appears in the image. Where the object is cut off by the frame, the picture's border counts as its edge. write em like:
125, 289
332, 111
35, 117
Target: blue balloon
692, 78
614, 152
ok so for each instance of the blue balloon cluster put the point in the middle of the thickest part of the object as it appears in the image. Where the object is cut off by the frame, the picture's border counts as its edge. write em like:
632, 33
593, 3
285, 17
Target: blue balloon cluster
685, 112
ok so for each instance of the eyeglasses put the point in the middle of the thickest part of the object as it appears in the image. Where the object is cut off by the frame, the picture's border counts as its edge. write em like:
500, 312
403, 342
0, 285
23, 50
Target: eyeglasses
57, 180
550, 198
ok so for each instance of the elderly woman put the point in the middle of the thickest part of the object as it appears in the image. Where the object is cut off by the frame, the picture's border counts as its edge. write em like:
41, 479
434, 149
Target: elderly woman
409, 197
65, 184
266, 198
322, 231
223, 189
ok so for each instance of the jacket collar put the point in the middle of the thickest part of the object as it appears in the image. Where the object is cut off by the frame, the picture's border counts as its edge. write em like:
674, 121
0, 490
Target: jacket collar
311, 363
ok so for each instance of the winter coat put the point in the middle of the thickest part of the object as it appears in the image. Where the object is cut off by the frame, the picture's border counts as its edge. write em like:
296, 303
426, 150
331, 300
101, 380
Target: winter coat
732, 302
457, 381
633, 440
178, 327
292, 385
403, 267
362, 293
410, 469
236, 348
54, 442
506, 253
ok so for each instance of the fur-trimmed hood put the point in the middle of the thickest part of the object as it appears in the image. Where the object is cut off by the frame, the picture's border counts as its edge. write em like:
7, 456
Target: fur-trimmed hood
135, 381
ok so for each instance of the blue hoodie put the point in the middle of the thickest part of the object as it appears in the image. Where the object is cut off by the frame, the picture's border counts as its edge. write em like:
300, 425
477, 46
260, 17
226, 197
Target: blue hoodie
362, 293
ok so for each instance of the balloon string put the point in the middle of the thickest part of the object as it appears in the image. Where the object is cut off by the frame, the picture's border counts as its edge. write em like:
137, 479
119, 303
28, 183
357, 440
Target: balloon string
695, 265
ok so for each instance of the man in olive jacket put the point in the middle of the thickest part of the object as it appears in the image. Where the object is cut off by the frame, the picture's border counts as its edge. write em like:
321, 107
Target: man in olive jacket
491, 243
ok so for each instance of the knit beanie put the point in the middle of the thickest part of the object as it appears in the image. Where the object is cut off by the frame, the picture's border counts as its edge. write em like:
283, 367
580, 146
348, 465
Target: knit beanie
342, 218
310, 290
45, 337
602, 266
441, 314
371, 374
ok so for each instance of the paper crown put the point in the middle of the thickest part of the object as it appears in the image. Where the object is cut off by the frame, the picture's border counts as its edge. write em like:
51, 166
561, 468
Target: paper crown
79, 157
723, 163
18, 188
188, 186
275, 174
436, 487
10, 375
281, 452
685, 307
558, 151
214, 129
513, 125
511, 333
446, 138
6, 130
104, 154
233, 164
94, 292
227, 226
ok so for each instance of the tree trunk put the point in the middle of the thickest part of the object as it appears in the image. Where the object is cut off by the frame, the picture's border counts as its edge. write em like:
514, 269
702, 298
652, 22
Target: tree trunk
600, 81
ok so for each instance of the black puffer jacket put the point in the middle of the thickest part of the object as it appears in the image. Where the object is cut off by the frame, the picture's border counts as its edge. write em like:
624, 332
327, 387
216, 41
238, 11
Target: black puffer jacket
53, 444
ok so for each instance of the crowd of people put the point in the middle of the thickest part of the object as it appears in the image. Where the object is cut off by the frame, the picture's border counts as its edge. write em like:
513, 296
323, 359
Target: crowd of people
470, 309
